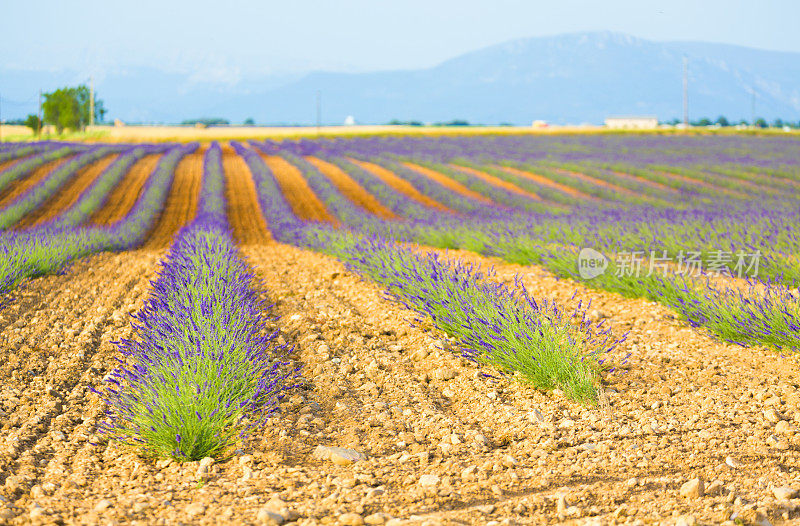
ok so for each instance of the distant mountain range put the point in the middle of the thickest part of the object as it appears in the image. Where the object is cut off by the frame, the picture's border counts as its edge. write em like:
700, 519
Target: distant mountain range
566, 79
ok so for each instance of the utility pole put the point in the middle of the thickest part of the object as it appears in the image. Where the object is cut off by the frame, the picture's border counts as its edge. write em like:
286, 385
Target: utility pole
91, 101
319, 112
41, 121
753, 109
685, 92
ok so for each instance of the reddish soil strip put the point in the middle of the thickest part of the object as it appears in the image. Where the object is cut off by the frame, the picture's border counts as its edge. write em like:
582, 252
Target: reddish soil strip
447, 182
351, 189
645, 181
126, 193
399, 184
495, 181
8, 164
596, 181
181, 205
305, 204
549, 182
702, 184
746, 185
19, 187
244, 212
67, 196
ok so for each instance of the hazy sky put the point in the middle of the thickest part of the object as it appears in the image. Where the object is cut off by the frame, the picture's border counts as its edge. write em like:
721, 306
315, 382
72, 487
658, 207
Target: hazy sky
225, 40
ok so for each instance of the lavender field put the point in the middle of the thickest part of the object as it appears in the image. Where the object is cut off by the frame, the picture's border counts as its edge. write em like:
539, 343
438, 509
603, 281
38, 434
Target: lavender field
461, 329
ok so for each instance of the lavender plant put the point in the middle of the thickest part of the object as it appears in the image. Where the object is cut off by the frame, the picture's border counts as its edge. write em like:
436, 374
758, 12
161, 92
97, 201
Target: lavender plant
40, 158
44, 189
201, 370
49, 248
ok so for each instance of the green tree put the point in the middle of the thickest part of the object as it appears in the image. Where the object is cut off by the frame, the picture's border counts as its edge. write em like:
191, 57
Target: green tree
760, 123
33, 122
69, 108
722, 121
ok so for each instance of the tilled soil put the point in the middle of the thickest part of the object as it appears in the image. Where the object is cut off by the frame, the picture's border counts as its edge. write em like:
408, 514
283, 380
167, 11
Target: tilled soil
125, 194
496, 181
689, 430
703, 184
443, 443
596, 181
181, 205
67, 196
398, 183
546, 181
305, 204
244, 211
646, 182
7, 165
446, 181
350, 188
20, 186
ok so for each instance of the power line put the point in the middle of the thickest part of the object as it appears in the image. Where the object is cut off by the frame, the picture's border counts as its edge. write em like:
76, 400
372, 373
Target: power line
685, 91
319, 111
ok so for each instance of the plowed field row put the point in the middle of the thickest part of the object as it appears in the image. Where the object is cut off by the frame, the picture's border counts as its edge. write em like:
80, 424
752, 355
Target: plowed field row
11, 162
399, 184
351, 189
67, 196
181, 205
20, 186
301, 198
123, 197
447, 182
244, 212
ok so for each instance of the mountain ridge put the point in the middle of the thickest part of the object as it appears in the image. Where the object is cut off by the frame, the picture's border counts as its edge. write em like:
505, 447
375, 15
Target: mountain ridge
566, 79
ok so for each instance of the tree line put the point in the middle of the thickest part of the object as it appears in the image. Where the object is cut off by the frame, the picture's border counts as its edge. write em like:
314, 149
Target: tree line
723, 122
66, 108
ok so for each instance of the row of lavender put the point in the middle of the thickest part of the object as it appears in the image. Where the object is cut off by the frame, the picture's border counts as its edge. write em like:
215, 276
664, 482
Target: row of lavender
760, 234
201, 370
48, 247
536, 341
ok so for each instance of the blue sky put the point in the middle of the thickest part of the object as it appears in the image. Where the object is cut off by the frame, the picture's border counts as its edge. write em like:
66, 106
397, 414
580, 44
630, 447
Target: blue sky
226, 40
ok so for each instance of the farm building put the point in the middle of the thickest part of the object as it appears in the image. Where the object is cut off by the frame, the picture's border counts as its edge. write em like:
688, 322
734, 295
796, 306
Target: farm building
644, 122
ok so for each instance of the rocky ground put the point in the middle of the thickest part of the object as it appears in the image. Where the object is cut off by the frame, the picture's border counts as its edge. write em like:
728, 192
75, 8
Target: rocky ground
390, 426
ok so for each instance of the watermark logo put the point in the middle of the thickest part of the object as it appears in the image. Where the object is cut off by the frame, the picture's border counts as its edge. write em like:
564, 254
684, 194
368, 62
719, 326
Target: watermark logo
591, 263
689, 263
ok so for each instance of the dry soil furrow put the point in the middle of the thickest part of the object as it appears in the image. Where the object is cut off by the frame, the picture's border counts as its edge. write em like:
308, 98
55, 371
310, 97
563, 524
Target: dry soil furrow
398, 183
68, 195
747, 186
11, 162
244, 211
181, 205
496, 181
20, 186
544, 181
351, 189
596, 181
703, 184
384, 388
645, 181
305, 204
447, 182
123, 197
686, 405
53, 415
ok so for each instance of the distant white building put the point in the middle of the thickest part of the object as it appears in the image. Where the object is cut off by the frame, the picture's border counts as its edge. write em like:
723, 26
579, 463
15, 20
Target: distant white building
349, 121
632, 122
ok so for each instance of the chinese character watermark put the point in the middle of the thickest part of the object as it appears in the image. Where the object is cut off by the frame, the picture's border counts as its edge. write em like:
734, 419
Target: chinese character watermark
688, 263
